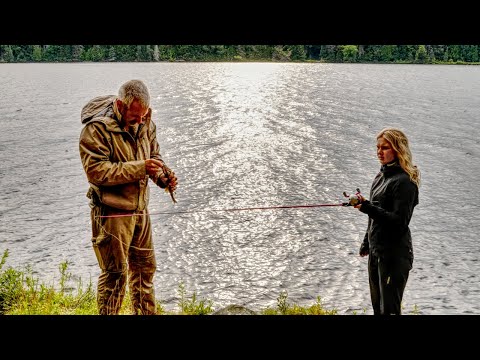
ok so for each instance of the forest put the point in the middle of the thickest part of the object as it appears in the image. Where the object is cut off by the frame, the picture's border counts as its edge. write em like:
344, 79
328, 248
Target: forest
409, 54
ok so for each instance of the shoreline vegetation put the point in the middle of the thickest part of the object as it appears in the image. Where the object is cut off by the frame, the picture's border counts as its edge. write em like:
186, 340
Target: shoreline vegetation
21, 293
377, 54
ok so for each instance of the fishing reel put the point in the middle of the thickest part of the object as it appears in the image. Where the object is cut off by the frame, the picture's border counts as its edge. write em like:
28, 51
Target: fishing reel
354, 199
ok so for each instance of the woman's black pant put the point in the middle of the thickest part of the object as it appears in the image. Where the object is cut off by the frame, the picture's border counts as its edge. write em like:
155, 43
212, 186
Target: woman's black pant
388, 277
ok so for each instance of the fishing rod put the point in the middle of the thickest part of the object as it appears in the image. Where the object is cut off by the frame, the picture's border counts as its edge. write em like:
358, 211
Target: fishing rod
353, 200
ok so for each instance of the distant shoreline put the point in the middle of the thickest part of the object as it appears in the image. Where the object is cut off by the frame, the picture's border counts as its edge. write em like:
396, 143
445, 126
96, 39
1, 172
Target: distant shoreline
240, 61
302, 53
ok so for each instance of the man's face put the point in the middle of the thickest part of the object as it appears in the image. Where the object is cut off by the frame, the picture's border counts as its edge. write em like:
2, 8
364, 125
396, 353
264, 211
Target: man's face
134, 114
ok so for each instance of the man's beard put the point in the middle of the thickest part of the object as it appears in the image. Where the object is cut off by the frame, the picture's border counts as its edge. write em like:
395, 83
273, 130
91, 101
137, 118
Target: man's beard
132, 129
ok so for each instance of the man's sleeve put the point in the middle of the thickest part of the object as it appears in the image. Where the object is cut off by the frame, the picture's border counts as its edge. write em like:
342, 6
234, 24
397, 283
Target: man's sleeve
95, 153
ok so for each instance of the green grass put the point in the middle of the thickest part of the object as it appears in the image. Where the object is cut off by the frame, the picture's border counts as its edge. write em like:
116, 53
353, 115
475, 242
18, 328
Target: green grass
284, 308
21, 293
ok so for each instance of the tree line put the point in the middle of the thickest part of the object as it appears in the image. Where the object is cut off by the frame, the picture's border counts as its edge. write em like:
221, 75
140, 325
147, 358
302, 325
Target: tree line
422, 54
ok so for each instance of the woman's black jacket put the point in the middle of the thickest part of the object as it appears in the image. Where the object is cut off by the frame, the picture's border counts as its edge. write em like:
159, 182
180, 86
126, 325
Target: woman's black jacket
393, 197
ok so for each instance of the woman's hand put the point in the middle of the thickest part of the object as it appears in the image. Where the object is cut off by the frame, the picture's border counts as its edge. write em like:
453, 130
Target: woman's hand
361, 199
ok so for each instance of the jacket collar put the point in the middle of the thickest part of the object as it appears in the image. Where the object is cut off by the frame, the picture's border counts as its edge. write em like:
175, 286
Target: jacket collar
391, 168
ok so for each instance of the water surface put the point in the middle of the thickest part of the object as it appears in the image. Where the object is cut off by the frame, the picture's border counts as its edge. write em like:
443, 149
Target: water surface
253, 135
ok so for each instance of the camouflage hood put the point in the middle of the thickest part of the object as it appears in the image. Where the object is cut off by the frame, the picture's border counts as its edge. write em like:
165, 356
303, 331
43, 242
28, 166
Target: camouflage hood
97, 107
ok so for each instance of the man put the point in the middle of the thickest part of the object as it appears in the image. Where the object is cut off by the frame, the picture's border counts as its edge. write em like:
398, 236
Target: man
119, 153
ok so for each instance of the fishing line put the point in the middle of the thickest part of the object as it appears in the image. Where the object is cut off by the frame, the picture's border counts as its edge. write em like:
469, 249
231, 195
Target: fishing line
353, 200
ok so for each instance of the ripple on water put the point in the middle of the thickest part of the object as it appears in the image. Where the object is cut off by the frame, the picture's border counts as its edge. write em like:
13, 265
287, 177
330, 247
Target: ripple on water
249, 135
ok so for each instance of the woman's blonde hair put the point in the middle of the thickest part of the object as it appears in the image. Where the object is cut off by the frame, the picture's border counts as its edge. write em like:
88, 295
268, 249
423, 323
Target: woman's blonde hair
399, 142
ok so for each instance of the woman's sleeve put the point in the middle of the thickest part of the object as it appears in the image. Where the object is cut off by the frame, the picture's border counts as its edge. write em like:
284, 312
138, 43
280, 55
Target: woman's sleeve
404, 200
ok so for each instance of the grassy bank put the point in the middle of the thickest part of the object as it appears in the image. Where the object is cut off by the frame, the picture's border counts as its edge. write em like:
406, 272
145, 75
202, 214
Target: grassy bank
21, 293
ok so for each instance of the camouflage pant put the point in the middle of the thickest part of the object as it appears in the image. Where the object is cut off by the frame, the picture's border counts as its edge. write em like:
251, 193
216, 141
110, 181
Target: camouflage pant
123, 246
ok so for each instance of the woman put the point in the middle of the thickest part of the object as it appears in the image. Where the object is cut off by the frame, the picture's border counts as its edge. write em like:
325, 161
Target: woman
393, 196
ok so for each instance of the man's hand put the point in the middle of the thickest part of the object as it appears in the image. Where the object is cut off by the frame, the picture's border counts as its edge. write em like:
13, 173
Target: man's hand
153, 166
159, 171
171, 178
169, 182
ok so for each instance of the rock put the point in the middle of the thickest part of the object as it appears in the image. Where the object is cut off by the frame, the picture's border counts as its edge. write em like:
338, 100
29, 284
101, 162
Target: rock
235, 310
